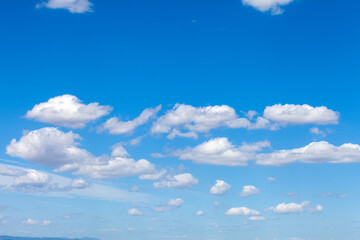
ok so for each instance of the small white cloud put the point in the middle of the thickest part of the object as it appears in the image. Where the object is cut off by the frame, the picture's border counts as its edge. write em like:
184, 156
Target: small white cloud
300, 114
220, 188
257, 218
249, 190
285, 208
333, 195
79, 184
67, 111
30, 221
171, 205
32, 180
134, 212
199, 213
46, 222
184, 180
315, 152
219, 151
241, 211
271, 179
266, 5
73, 6
317, 132
114, 126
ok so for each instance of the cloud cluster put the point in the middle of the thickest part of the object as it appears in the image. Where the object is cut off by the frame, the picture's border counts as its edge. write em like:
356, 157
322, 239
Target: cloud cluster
67, 111
219, 151
220, 188
114, 126
73, 6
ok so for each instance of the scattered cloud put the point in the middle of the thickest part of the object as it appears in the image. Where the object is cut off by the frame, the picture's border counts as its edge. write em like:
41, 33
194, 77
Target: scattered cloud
134, 212
271, 179
199, 213
184, 180
117, 127
220, 188
315, 152
171, 205
333, 195
73, 6
285, 208
267, 5
300, 114
317, 132
30, 221
67, 111
241, 211
249, 190
219, 151
257, 218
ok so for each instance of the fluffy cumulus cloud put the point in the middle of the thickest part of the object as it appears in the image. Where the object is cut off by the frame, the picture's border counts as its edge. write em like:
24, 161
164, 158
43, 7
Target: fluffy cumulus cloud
241, 211
32, 180
134, 212
219, 151
184, 180
316, 152
171, 205
285, 208
220, 188
67, 111
266, 5
300, 114
196, 120
48, 147
73, 6
115, 126
249, 190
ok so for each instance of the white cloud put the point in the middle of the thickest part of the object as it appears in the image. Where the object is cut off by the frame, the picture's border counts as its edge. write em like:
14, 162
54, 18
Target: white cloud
315, 152
257, 218
199, 213
317, 131
67, 111
48, 147
284, 208
117, 167
196, 120
153, 176
119, 151
30, 221
241, 211
220, 188
73, 6
32, 181
46, 222
79, 184
184, 180
271, 179
114, 126
266, 5
249, 190
333, 195
219, 151
134, 212
171, 205
300, 114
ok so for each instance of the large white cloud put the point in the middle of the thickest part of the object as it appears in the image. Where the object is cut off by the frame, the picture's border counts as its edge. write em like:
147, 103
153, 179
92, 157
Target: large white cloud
219, 151
73, 6
300, 114
114, 126
241, 211
67, 111
249, 190
285, 208
266, 5
184, 180
315, 152
220, 188
49, 147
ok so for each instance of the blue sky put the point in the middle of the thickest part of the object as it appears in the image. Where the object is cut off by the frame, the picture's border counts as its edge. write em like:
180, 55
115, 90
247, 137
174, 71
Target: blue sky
199, 120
